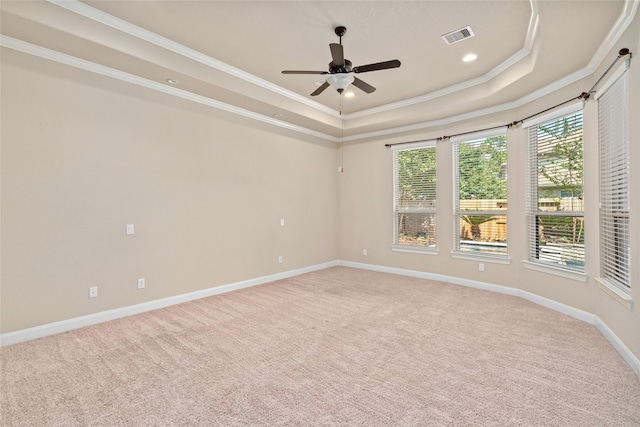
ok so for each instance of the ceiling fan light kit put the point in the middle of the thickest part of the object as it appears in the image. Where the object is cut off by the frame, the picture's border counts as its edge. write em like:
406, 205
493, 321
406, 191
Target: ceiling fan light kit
340, 81
340, 69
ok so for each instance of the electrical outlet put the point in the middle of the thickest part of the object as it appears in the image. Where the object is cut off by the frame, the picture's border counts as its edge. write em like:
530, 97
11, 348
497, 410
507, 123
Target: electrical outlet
93, 292
130, 229
480, 267
282, 222
364, 252
280, 259
141, 283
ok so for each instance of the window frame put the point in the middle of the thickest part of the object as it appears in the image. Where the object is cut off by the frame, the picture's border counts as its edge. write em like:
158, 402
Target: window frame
428, 210
458, 252
575, 270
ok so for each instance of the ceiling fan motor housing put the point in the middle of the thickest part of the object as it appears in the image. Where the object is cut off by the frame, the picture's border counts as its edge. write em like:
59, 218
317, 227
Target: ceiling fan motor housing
346, 68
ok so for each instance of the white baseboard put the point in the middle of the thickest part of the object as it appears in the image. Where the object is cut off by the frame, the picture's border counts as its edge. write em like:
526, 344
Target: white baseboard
624, 351
585, 316
92, 319
545, 302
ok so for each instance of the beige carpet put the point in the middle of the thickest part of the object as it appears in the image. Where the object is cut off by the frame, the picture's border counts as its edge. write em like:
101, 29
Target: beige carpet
339, 346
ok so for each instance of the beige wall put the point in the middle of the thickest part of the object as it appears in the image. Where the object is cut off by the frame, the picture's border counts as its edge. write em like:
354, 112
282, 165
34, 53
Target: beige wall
366, 210
83, 155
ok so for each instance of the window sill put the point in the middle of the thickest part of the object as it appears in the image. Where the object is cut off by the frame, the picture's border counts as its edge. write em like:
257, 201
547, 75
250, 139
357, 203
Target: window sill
616, 293
415, 250
556, 271
496, 259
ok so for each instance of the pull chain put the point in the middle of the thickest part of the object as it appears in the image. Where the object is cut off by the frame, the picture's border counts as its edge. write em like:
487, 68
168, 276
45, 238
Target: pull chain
341, 136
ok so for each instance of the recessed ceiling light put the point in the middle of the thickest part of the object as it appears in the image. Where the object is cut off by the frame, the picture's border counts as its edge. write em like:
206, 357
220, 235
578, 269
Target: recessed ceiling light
349, 94
470, 57
276, 115
172, 81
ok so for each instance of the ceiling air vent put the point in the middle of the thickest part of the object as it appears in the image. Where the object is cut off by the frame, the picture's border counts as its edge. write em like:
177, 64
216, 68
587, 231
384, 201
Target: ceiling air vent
458, 35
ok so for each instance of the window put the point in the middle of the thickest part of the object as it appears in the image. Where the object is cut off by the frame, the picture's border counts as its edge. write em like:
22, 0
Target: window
415, 197
480, 195
555, 205
613, 129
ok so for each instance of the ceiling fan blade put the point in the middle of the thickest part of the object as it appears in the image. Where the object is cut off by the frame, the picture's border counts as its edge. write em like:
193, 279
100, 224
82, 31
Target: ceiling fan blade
377, 66
304, 72
337, 53
362, 85
320, 89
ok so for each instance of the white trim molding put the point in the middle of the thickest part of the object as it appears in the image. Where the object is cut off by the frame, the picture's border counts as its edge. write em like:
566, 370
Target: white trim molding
622, 23
622, 349
558, 112
481, 257
624, 20
92, 319
545, 302
104, 316
72, 61
576, 313
415, 250
557, 271
613, 77
104, 18
615, 293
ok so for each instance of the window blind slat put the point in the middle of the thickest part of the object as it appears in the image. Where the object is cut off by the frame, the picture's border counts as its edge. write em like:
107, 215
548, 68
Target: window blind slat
480, 194
554, 195
613, 140
415, 196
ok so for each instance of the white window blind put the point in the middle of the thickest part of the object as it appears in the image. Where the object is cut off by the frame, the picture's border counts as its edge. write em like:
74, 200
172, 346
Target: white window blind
555, 205
480, 195
415, 196
613, 128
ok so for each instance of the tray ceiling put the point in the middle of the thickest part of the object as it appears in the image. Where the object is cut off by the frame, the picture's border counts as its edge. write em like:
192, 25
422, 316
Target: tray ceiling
230, 54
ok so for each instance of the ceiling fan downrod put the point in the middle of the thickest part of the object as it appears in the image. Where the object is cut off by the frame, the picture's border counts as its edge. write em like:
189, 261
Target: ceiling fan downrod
340, 31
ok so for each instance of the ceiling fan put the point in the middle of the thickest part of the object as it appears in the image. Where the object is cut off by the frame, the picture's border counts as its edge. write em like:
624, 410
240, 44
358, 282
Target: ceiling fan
340, 69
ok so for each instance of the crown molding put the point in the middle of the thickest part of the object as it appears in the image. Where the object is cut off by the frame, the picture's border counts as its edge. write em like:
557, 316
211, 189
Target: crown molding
572, 78
626, 17
532, 32
624, 20
629, 10
496, 71
104, 18
72, 61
